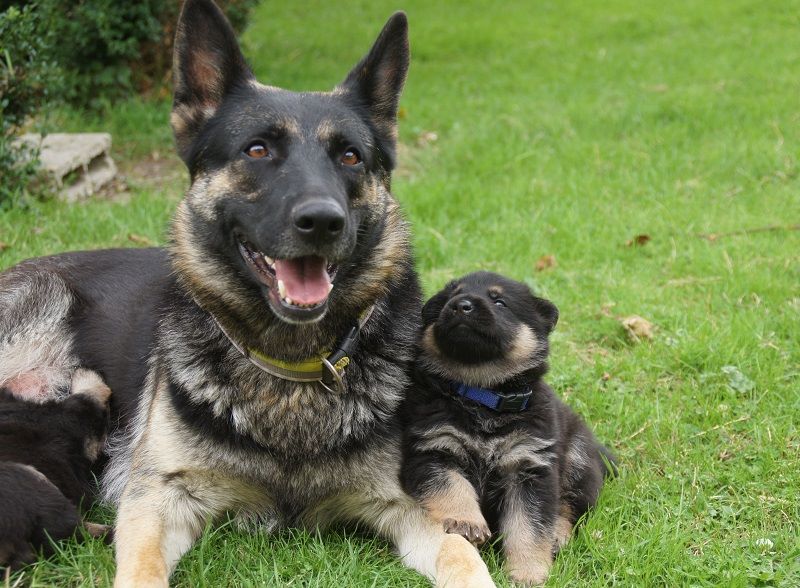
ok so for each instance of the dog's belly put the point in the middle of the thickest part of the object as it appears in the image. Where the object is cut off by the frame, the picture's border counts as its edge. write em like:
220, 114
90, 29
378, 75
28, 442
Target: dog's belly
96, 309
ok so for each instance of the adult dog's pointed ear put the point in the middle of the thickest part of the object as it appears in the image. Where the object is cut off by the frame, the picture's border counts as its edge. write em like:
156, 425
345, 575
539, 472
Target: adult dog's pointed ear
207, 64
377, 81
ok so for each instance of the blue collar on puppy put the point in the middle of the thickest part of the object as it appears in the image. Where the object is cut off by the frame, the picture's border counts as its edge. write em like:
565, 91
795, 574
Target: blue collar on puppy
499, 401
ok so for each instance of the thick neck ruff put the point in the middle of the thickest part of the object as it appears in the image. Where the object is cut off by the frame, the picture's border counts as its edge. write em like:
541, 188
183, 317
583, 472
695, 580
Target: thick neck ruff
497, 401
327, 369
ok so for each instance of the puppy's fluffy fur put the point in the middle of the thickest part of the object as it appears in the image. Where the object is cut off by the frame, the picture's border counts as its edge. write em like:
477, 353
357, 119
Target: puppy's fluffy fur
46, 453
530, 474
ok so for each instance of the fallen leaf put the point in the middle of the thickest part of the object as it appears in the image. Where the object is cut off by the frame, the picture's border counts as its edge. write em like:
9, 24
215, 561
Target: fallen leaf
426, 137
638, 240
402, 112
4, 246
546, 262
605, 309
140, 240
637, 328
606, 376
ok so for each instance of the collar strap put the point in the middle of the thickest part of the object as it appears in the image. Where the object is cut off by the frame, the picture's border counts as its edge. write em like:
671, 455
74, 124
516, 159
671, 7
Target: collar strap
498, 401
327, 369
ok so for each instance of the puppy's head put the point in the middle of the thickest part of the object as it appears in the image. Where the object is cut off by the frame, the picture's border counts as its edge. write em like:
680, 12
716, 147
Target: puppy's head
484, 329
88, 410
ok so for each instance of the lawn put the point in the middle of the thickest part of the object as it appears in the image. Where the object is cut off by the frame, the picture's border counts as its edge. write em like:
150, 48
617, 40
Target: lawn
563, 129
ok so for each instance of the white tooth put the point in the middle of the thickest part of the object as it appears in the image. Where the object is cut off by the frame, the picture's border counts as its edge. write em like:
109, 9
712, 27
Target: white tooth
281, 289
288, 300
330, 287
268, 259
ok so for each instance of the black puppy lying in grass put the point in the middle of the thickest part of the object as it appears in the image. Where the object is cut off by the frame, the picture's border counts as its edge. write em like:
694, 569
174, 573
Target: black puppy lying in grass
488, 446
46, 454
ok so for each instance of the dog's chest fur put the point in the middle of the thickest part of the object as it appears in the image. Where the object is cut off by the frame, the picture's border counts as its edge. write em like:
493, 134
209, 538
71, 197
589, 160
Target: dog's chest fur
289, 420
298, 443
486, 443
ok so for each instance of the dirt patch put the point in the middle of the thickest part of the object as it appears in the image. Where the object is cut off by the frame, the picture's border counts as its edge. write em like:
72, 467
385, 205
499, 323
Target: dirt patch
157, 170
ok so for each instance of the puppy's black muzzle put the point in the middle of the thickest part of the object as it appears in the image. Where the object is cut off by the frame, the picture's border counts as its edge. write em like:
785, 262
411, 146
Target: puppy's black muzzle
468, 330
468, 307
472, 313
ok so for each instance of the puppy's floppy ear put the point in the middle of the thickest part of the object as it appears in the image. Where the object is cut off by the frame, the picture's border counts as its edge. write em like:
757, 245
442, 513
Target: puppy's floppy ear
434, 306
206, 65
377, 81
547, 311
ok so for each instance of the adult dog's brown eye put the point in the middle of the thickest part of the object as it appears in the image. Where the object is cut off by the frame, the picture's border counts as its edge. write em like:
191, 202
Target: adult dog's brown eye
351, 157
257, 151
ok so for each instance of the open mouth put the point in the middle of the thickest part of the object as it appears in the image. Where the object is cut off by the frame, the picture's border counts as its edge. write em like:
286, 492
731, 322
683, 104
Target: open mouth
298, 288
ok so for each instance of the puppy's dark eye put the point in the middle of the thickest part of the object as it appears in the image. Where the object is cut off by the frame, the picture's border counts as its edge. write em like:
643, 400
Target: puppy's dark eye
500, 302
351, 157
257, 150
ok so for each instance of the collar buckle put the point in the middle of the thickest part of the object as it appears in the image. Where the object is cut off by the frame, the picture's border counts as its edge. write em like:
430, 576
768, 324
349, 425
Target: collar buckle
515, 402
335, 364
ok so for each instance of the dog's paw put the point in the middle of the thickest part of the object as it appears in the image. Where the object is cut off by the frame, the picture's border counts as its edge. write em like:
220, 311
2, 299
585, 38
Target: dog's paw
532, 573
476, 532
459, 565
562, 532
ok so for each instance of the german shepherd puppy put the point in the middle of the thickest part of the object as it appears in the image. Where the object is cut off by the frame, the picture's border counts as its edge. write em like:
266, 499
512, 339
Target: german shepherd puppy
488, 447
46, 453
258, 363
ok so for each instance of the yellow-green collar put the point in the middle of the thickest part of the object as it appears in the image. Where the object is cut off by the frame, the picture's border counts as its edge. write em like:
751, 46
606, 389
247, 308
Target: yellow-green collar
327, 369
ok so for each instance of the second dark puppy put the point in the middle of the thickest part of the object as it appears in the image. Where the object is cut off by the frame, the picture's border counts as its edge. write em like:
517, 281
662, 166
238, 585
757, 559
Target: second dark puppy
46, 453
488, 446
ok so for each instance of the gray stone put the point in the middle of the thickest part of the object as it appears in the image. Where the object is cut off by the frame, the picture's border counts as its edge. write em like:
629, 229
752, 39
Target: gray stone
78, 163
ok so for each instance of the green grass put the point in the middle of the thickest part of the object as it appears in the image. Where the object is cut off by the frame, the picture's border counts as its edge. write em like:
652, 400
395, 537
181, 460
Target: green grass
566, 128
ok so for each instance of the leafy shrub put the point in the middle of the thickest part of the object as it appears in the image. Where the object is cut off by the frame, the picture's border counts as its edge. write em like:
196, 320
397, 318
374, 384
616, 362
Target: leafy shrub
28, 79
109, 48
87, 52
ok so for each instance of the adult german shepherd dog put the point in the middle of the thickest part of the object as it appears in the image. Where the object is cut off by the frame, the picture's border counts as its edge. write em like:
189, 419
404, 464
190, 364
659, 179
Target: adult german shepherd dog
257, 363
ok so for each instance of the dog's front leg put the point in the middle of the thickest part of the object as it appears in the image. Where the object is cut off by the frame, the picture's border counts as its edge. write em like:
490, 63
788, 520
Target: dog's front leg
155, 526
448, 559
527, 522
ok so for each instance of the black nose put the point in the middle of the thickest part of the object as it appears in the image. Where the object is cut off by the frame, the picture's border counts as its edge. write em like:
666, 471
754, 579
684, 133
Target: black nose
318, 221
464, 305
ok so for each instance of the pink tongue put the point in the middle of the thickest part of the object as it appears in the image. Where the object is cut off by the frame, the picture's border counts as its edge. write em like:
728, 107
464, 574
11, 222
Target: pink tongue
306, 279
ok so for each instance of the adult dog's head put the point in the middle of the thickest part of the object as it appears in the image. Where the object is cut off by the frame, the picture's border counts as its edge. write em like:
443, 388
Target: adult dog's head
289, 213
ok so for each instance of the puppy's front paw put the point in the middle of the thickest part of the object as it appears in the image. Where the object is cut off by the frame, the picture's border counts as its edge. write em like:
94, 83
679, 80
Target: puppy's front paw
531, 573
476, 531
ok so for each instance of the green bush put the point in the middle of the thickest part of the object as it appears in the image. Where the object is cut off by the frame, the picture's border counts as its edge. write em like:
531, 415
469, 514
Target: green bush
109, 48
85, 52
29, 78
